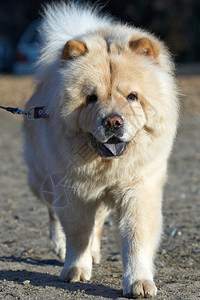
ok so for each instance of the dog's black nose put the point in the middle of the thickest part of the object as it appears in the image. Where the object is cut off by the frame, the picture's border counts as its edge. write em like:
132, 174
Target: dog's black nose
113, 123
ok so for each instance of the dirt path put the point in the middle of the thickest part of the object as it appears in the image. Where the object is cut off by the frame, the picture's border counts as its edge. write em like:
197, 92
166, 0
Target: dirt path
28, 268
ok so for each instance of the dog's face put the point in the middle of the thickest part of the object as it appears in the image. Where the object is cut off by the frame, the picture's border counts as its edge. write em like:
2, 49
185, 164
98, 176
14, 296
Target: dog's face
106, 93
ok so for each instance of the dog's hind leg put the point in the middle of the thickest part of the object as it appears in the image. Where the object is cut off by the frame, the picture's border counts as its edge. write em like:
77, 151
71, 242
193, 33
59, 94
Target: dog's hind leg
57, 235
101, 214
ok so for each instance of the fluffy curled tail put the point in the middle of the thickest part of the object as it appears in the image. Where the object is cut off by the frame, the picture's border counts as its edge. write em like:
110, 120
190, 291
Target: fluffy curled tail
62, 22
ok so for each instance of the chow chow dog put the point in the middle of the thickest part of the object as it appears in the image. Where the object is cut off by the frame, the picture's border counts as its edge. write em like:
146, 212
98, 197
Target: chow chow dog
109, 92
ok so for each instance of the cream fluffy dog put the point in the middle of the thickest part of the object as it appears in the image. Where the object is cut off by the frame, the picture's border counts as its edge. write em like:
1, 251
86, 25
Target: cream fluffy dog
110, 95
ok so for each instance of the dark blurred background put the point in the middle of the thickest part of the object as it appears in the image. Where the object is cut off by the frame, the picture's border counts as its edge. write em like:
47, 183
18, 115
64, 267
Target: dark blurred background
177, 22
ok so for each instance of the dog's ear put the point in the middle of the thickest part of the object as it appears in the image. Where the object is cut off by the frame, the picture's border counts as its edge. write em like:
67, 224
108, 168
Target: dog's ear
73, 49
144, 46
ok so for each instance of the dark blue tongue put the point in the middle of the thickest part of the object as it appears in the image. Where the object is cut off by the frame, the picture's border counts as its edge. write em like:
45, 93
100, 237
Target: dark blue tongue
116, 149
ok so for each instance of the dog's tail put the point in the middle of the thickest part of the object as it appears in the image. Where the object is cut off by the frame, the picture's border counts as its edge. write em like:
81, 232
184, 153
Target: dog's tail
62, 22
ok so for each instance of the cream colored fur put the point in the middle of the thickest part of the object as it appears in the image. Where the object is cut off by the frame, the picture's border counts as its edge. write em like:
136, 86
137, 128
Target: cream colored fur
131, 184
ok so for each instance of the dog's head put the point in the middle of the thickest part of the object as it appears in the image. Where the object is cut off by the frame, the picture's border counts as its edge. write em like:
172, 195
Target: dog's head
108, 90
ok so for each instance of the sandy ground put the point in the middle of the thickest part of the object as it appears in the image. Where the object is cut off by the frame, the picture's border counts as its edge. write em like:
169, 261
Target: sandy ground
30, 270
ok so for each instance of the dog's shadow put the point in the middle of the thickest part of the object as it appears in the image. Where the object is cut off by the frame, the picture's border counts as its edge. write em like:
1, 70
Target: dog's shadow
32, 261
43, 279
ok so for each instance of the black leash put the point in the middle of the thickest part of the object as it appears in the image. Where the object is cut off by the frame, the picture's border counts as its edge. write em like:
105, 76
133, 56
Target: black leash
34, 112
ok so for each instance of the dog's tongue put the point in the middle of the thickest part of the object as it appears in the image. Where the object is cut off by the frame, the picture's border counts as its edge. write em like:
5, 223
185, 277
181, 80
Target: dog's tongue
116, 149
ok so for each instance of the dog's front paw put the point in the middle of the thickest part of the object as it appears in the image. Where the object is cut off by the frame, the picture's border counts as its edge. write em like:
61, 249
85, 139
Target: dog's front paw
140, 289
75, 274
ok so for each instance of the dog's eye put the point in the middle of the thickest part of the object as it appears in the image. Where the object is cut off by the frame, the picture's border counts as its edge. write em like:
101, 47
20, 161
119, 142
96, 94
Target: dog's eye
91, 99
132, 97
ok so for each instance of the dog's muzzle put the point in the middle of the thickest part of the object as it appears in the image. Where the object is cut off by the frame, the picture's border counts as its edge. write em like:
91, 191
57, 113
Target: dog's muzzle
113, 126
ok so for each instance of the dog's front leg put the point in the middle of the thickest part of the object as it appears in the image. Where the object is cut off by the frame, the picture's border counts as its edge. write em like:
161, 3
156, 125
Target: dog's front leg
140, 228
77, 220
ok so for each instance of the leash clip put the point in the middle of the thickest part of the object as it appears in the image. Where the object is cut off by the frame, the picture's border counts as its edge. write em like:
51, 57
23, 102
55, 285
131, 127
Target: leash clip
36, 112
